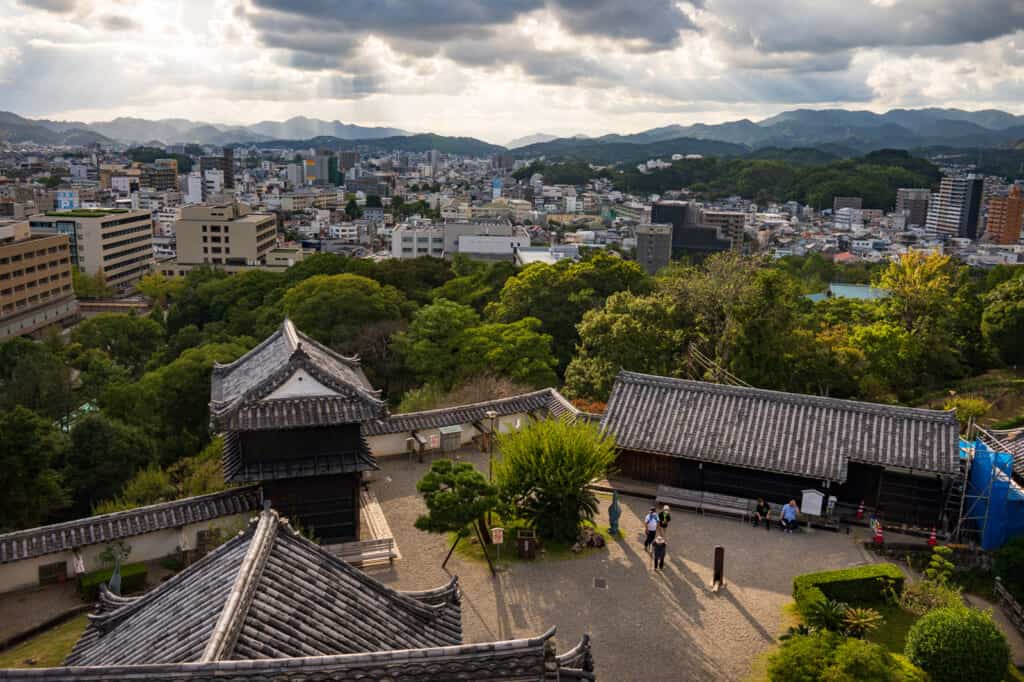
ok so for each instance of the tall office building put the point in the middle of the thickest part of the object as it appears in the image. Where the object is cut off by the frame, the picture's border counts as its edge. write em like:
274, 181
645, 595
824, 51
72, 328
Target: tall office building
653, 246
953, 211
114, 243
913, 203
690, 239
35, 281
224, 163
224, 234
347, 160
435, 163
1005, 217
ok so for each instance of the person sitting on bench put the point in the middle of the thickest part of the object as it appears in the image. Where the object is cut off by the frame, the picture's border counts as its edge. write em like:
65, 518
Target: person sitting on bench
762, 512
788, 517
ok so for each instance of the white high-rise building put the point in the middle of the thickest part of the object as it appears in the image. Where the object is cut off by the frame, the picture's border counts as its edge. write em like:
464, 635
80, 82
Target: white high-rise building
194, 195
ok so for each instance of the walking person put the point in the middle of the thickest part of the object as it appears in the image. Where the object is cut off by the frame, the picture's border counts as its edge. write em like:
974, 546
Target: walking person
659, 553
788, 517
664, 517
651, 526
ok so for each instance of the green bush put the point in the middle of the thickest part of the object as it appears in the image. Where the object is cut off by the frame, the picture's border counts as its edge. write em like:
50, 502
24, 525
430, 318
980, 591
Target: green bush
858, 661
864, 584
133, 579
922, 596
803, 658
958, 645
1009, 566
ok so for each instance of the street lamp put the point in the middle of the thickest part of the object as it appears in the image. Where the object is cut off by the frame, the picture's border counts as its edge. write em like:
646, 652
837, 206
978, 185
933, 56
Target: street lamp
492, 415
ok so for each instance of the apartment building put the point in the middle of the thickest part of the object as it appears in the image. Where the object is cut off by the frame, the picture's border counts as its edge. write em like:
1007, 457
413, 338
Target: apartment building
729, 224
913, 203
224, 234
35, 281
954, 210
1005, 217
114, 243
653, 246
413, 242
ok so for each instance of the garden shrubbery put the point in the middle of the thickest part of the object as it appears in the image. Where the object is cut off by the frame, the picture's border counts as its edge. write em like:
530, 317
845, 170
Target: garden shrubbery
1009, 566
133, 579
958, 645
829, 657
863, 584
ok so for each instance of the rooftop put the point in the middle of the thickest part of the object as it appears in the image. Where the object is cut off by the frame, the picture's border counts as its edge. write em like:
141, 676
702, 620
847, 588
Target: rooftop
86, 213
788, 433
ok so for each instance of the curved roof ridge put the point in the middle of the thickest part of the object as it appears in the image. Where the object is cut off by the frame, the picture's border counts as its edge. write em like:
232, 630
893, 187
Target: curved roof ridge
413, 604
111, 618
785, 396
468, 406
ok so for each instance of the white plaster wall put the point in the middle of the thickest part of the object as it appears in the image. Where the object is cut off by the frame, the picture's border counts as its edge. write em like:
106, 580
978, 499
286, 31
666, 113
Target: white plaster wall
298, 385
19, 575
394, 443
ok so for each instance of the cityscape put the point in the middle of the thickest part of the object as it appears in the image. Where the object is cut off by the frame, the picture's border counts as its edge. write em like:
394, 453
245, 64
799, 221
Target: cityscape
542, 341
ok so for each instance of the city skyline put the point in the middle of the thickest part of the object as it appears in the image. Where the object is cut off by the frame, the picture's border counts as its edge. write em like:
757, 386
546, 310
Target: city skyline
500, 71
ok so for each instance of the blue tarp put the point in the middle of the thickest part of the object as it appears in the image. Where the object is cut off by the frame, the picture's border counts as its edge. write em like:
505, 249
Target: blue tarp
990, 488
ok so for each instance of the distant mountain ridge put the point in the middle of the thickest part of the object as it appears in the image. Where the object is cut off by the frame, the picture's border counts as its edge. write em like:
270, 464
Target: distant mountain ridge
133, 131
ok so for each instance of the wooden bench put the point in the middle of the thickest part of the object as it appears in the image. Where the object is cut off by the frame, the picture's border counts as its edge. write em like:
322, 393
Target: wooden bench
729, 505
366, 552
679, 498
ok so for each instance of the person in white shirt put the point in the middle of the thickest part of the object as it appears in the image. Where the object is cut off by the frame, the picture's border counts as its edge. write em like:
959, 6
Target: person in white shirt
651, 526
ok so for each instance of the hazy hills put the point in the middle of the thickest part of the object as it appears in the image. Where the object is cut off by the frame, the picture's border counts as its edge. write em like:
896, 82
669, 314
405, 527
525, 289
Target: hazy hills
127, 130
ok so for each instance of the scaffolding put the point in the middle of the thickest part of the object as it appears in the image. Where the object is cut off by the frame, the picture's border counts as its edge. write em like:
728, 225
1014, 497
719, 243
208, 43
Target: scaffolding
975, 509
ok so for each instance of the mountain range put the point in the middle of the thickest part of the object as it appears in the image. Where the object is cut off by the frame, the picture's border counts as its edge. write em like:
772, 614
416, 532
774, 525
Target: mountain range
134, 131
839, 131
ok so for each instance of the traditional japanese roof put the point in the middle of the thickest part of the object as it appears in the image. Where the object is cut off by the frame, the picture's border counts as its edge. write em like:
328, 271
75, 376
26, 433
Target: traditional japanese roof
267, 593
545, 402
291, 381
516, 660
104, 528
271, 605
789, 433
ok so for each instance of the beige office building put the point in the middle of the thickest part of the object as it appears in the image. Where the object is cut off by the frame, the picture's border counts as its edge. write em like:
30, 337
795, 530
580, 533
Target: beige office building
224, 234
730, 225
114, 243
35, 281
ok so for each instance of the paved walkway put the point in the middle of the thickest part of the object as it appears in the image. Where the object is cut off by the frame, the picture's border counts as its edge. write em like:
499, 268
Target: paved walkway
645, 625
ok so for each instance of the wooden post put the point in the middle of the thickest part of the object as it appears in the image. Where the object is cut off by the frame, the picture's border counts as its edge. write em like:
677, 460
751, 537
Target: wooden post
718, 581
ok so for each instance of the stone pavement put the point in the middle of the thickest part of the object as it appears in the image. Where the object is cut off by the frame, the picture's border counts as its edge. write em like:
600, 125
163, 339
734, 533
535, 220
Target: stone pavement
645, 625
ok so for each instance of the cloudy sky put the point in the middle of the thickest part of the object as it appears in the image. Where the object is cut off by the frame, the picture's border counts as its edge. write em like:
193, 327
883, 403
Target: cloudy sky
498, 69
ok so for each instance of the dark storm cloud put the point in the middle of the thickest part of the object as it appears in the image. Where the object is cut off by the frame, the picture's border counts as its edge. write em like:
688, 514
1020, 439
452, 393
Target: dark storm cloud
116, 22
831, 25
58, 6
656, 23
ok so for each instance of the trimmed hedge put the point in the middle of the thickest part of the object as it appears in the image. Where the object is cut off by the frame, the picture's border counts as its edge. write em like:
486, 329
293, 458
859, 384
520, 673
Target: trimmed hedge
864, 584
959, 645
133, 579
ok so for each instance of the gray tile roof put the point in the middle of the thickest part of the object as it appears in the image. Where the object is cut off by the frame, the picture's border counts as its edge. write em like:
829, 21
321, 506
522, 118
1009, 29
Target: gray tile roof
239, 390
517, 660
267, 593
62, 537
546, 401
802, 435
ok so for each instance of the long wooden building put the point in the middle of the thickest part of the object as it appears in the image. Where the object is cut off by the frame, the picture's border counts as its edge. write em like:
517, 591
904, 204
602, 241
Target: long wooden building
751, 442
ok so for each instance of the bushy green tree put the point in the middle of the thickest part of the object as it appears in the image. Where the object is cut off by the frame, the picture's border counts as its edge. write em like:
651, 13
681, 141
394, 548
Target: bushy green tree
545, 470
128, 340
636, 333
858, 661
558, 295
332, 308
34, 376
1009, 566
517, 350
151, 485
457, 496
958, 645
104, 454
1002, 323
33, 490
434, 341
803, 658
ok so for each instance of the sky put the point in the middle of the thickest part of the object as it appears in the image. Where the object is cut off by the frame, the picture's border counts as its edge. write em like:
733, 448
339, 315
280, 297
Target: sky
499, 69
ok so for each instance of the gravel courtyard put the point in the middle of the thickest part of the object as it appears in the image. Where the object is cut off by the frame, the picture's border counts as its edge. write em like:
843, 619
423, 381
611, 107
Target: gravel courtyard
645, 625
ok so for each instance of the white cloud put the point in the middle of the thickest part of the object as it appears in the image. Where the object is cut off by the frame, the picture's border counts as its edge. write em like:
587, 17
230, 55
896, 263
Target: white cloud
498, 70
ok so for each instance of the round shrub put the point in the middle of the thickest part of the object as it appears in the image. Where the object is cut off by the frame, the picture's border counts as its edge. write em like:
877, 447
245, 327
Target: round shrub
859, 661
803, 658
958, 645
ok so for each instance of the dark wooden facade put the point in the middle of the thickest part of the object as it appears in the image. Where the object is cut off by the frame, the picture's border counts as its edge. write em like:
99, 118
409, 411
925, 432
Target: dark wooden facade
897, 497
324, 507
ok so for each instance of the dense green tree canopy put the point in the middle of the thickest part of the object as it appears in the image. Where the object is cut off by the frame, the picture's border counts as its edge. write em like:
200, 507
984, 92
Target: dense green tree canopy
1002, 323
104, 454
30, 449
332, 308
128, 340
